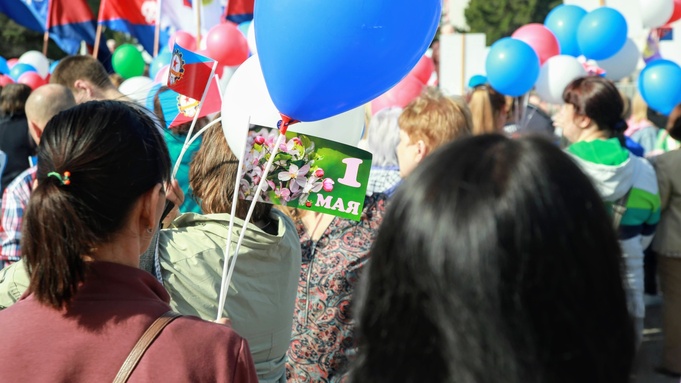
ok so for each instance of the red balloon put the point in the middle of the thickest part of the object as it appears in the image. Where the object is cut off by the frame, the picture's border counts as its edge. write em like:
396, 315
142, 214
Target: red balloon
227, 44
4, 80
424, 69
540, 38
677, 12
400, 95
32, 79
184, 39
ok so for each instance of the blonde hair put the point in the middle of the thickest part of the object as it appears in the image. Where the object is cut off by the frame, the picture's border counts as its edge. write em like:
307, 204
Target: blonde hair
212, 174
639, 108
435, 119
486, 105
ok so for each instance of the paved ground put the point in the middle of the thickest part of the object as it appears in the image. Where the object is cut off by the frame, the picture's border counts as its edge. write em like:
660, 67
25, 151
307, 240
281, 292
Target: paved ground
651, 349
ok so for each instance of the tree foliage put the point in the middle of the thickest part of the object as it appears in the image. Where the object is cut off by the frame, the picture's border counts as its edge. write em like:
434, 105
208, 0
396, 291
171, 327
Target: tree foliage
500, 18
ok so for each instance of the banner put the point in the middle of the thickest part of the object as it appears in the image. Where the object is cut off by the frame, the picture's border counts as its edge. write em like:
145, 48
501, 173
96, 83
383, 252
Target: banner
308, 173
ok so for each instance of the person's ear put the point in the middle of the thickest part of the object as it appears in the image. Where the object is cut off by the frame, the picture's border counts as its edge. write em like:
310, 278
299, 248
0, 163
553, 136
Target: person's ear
82, 90
582, 121
152, 203
34, 131
421, 151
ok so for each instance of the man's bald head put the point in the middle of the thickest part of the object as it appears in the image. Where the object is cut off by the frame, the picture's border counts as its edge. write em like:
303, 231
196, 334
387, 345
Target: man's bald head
44, 103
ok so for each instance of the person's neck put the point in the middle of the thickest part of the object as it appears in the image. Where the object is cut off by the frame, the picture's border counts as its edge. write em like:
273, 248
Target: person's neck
117, 251
592, 133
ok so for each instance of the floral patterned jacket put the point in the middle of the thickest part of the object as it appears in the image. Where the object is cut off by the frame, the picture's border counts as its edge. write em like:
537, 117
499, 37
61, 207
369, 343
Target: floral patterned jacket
322, 339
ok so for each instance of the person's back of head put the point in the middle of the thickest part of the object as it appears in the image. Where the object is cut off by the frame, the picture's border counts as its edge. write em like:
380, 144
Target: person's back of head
85, 76
13, 99
384, 136
488, 110
639, 108
435, 118
428, 122
674, 123
44, 103
496, 261
95, 161
212, 174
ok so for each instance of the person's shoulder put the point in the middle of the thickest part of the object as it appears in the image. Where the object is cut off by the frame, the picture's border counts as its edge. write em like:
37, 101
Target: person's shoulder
195, 330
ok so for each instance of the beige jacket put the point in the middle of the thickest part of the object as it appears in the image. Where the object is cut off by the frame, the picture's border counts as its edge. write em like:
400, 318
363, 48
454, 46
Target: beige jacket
667, 240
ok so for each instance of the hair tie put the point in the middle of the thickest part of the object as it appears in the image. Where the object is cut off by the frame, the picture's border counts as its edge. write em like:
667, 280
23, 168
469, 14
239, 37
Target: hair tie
620, 126
64, 179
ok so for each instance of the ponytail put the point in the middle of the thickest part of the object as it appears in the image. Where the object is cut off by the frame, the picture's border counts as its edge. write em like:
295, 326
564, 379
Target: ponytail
53, 241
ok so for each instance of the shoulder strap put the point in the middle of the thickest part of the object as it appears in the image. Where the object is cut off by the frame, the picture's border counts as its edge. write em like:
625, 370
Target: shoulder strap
619, 207
142, 344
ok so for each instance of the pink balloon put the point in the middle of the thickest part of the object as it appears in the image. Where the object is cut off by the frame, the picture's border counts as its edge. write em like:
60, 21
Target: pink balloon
400, 95
4, 80
540, 38
162, 75
184, 39
32, 79
227, 44
12, 62
424, 69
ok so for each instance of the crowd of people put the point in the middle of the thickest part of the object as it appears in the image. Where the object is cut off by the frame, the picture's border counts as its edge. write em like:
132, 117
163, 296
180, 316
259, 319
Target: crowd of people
480, 256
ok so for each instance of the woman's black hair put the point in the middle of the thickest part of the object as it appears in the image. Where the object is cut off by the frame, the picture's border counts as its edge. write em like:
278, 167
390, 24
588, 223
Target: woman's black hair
112, 153
598, 99
496, 262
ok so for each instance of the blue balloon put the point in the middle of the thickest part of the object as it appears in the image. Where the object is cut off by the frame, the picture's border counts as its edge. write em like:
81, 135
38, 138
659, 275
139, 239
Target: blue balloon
243, 27
4, 68
512, 67
20, 68
602, 33
563, 21
53, 65
323, 58
658, 84
161, 60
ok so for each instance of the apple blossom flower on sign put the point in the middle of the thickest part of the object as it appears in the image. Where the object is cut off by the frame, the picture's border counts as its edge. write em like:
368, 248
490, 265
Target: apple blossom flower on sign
327, 184
296, 175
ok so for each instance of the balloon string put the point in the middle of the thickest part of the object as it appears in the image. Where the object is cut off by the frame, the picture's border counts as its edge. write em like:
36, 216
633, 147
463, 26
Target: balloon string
227, 279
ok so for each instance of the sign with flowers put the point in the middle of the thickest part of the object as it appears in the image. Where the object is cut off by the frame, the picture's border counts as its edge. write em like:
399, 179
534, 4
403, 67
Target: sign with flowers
308, 173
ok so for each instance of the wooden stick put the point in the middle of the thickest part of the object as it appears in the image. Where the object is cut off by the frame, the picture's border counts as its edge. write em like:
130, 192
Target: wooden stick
157, 29
98, 39
463, 63
46, 38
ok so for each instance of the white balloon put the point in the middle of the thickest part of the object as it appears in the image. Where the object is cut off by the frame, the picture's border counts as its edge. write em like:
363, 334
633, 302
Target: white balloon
556, 73
250, 37
246, 101
38, 61
656, 13
623, 63
137, 88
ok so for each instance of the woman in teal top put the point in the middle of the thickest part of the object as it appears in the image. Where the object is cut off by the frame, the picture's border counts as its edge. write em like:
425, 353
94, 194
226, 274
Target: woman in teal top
175, 138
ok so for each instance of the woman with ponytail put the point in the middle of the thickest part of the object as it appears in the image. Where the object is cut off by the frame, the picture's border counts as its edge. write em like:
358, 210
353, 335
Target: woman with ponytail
591, 119
99, 197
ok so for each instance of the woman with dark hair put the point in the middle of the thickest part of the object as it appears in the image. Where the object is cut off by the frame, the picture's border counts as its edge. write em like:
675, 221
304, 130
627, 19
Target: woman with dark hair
667, 247
98, 201
496, 262
591, 119
15, 141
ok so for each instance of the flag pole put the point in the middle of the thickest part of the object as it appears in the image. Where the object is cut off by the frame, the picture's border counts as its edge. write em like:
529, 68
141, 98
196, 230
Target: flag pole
197, 14
46, 35
602, 3
98, 34
157, 29
46, 38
